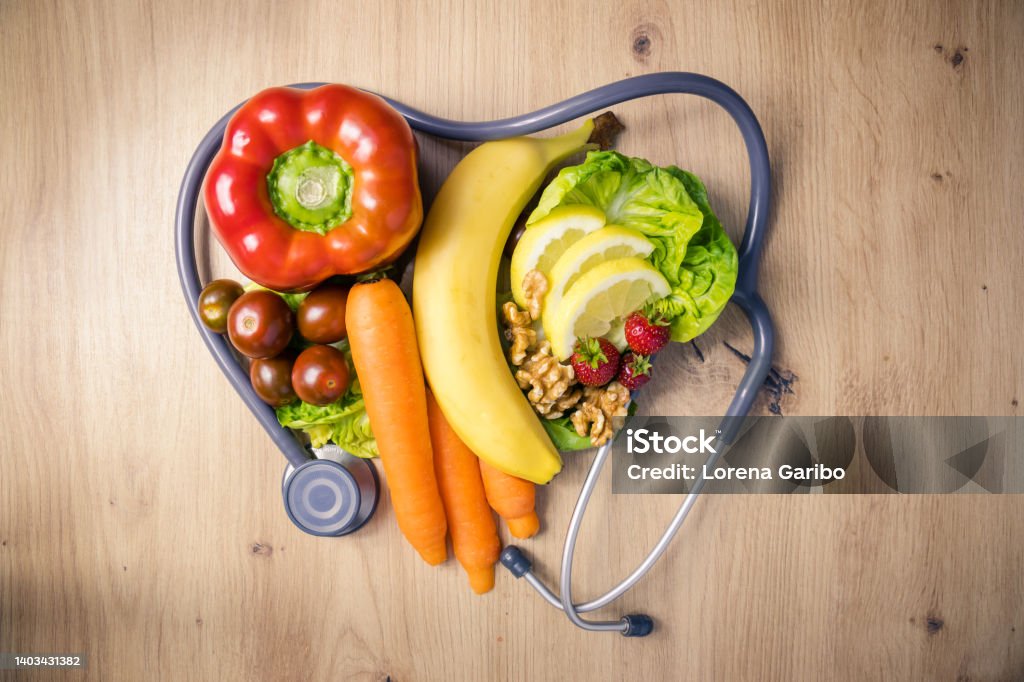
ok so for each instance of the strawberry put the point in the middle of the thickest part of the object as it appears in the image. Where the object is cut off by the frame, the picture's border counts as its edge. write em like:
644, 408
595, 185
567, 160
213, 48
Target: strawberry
635, 370
595, 361
646, 335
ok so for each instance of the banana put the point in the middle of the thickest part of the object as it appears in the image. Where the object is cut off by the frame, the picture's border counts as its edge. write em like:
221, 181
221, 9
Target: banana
454, 305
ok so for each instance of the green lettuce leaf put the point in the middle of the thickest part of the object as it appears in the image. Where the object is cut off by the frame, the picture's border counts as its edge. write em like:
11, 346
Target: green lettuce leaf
708, 274
563, 435
343, 422
671, 208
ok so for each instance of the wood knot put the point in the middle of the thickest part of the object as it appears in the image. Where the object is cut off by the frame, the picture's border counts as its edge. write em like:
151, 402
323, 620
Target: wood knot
642, 45
955, 57
777, 384
933, 624
259, 549
642, 41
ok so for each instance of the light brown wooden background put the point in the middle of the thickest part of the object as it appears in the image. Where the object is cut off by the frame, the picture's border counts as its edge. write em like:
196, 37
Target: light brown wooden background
140, 511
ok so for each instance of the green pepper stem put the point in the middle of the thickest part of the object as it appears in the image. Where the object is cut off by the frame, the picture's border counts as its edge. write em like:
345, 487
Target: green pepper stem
310, 188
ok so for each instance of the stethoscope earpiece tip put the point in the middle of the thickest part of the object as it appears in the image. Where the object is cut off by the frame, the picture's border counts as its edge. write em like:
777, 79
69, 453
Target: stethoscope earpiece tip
637, 625
515, 561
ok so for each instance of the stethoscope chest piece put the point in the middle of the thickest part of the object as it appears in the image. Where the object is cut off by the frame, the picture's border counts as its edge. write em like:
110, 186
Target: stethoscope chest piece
332, 495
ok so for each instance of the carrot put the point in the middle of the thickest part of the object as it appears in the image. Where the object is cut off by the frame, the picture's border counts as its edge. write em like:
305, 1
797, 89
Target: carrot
470, 520
512, 498
387, 362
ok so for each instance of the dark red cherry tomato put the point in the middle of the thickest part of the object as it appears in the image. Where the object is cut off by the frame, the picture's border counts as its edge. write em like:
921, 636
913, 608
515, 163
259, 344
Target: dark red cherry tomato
320, 375
215, 301
272, 379
321, 315
260, 324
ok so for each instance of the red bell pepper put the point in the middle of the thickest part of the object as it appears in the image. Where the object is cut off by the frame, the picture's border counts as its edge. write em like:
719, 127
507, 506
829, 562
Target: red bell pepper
313, 183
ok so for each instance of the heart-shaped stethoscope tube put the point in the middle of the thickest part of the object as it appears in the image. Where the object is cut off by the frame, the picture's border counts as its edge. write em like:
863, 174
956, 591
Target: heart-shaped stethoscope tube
746, 295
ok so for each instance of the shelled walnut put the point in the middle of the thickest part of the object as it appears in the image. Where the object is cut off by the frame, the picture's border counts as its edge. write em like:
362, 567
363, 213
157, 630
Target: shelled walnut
518, 331
535, 286
597, 414
550, 383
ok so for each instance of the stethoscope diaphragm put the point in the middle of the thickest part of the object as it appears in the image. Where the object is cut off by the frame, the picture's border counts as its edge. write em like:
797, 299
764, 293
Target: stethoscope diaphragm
332, 495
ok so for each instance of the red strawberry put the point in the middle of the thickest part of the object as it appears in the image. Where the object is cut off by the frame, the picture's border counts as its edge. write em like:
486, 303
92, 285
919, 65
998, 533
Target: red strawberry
635, 370
595, 361
646, 336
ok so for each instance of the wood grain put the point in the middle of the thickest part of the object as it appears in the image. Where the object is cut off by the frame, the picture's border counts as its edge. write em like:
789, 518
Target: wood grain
140, 513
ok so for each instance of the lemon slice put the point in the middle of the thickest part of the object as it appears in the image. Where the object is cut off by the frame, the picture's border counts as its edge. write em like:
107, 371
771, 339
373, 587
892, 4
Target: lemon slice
608, 243
598, 303
546, 240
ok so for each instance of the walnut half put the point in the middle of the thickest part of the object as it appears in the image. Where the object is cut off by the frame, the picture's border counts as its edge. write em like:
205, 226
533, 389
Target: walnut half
535, 286
599, 414
519, 332
549, 382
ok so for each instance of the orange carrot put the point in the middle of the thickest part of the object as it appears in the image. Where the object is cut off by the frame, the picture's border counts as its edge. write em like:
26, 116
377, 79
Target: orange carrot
387, 362
471, 521
512, 498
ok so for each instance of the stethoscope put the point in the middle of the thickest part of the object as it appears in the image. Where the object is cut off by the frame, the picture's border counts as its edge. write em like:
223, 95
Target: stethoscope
335, 493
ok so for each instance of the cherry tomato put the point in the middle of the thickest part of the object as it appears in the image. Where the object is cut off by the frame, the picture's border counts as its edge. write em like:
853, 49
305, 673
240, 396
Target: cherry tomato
260, 324
272, 379
215, 301
321, 315
320, 375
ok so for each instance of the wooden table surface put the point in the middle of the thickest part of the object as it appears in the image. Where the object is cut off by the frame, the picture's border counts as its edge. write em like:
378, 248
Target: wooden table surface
140, 509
